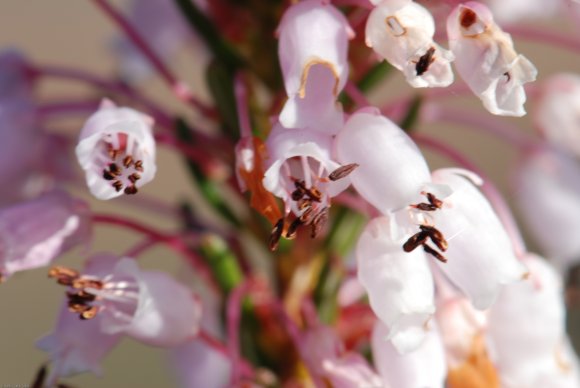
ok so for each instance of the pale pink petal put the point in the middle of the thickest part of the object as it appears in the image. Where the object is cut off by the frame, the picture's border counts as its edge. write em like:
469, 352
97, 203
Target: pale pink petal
513, 11
402, 33
34, 233
423, 367
199, 365
76, 346
486, 60
15, 79
557, 113
547, 189
527, 331
110, 136
399, 284
480, 256
391, 168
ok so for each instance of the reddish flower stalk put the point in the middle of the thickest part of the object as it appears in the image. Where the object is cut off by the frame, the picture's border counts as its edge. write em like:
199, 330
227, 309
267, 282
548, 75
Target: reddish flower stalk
233, 313
176, 243
356, 95
491, 192
218, 346
242, 106
66, 107
178, 87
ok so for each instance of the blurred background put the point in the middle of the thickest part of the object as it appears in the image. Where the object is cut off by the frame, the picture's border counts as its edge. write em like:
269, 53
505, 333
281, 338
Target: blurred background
76, 34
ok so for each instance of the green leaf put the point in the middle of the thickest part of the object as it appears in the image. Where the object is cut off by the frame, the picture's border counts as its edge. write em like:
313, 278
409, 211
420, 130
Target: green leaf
412, 115
372, 77
222, 261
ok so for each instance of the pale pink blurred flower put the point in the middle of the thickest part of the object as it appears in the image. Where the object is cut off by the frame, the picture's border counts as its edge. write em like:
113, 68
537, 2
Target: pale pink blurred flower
116, 149
313, 57
298, 165
391, 167
325, 354
15, 78
528, 334
425, 367
78, 346
165, 30
486, 60
148, 306
513, 11
557, 113
34, 233
401, 31
547, 191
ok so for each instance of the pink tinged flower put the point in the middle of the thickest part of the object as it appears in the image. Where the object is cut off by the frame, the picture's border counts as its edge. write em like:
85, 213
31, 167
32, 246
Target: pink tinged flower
325, 354
116, 149
480, 256
313, 55
399, 284
391, 168
557, 113
528, 335
75, 346
486, 60
402, 33
513, 11
547, 191
300, 169
423, 367
149, 306
34, 233
199, 365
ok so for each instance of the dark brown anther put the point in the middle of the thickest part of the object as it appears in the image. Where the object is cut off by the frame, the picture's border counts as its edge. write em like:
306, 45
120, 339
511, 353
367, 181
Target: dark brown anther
293, 228
134, 177
58, 271
297, 194
114, 169
303, 203
127, 161
414, 241
82, 282
113, 153
436, 236
318, 222
118, 185
131, 190
508, 76
39, 378
467, 18
76, 308
434, 253
342, 171
139, 166
306, 216
107, 175
434, 203
314, 194
425, 61
276, 234
90, 313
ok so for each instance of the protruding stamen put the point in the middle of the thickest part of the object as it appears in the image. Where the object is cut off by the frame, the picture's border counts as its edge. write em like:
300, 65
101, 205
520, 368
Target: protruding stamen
293, 228
414, 241
318, 222
434, 203
127, 161
139, 166
276, 234
131, 190
436, 236
425, 61
420, 238
118, 185
90, 313
342, 171
434, 253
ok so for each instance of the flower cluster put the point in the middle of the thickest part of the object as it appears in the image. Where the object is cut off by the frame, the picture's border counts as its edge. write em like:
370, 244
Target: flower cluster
367, 247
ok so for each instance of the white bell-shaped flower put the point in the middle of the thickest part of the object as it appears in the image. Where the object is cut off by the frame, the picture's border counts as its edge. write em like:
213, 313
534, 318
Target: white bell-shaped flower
313, 55
547, 192
557, 114
423, 367
399, 284
528, 334
391, 167
486, 60
116, 149
401, 31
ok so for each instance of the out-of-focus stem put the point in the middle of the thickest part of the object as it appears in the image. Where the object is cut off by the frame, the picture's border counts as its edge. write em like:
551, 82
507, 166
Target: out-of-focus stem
66, 107
218, 346
174, 242
356, 95
234, 314
242, 107
179, 88
355, 3
488, 188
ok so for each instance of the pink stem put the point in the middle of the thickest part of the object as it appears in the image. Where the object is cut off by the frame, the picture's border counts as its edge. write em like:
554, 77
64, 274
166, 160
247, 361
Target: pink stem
179, 88
176, 243
242, 107
66, 107
234, 313
357, 96
138, 249
491, 192
218, 346
356, 3
164, 119
485, 123
546, 36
